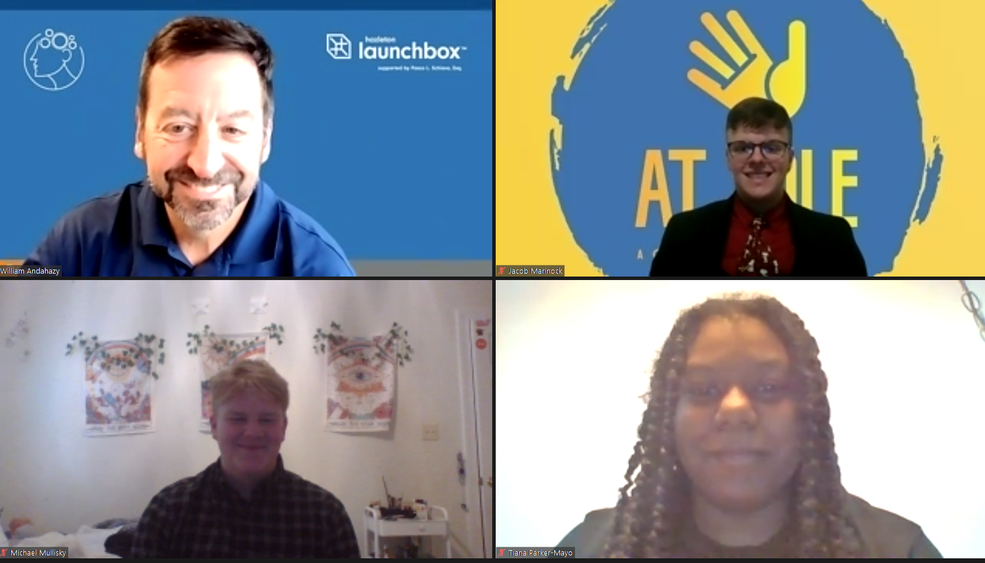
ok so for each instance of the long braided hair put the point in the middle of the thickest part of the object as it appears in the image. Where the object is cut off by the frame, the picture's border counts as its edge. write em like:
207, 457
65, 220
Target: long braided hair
647, 516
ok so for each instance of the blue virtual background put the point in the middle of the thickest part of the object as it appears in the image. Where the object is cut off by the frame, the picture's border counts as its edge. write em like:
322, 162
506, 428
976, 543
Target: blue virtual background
395, 165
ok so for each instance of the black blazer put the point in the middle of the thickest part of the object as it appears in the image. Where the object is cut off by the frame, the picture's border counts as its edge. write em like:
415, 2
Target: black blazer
694, 243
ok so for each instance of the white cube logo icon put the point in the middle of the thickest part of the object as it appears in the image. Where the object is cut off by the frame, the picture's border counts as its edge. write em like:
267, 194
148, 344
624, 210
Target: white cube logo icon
338, 46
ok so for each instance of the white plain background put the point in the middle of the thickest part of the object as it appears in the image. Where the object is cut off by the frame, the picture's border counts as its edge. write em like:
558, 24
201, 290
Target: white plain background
62, 480
906, 372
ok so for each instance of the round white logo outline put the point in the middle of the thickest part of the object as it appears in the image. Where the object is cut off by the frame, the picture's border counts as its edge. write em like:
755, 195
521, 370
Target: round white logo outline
53, 35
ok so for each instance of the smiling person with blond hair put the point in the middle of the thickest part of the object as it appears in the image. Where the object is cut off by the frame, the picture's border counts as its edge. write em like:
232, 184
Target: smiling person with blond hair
246, 504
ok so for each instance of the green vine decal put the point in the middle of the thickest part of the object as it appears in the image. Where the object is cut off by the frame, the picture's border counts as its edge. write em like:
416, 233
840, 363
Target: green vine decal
334, 337
90, 345
275, 332
195, 340
394, 342
81, 342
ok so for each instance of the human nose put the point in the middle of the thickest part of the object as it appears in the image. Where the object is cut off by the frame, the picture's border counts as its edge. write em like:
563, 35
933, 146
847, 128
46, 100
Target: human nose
735, 408
206, 157
253, 428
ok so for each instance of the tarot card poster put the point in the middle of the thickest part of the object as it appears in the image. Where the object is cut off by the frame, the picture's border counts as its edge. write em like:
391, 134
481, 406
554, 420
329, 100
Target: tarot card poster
361, 386
118, 390
221, 350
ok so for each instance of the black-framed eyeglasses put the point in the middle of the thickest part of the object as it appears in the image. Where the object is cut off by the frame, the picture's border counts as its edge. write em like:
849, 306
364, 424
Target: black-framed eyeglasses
771, 150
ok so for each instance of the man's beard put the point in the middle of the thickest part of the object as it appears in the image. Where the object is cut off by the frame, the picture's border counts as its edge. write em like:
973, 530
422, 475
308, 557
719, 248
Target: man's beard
206, 214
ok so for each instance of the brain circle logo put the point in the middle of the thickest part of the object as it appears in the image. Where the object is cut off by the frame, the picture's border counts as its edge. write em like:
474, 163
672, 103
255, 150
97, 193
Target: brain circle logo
53, 60
641, 132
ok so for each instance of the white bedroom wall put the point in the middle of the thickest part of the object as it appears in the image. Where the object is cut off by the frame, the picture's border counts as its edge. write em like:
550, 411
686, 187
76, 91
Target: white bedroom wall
906, 370
51, 473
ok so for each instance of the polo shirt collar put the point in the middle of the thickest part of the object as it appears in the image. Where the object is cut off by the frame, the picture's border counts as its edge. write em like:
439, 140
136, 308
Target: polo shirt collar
255, 239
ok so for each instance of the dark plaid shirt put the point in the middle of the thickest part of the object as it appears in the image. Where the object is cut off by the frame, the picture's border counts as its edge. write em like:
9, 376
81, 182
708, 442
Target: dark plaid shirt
286, 516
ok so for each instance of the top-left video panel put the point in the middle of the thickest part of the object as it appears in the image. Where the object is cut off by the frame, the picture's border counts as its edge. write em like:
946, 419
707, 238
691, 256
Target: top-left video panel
248, 139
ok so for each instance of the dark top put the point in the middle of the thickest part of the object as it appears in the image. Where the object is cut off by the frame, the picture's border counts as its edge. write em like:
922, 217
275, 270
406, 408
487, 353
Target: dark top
775, 234
128, 234
286, 516
882, 534
693, 243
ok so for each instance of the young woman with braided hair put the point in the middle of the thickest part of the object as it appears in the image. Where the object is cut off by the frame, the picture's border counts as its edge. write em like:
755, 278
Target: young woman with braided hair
736, 454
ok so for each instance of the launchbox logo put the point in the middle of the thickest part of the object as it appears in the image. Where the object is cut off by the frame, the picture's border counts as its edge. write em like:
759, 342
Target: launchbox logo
380, 48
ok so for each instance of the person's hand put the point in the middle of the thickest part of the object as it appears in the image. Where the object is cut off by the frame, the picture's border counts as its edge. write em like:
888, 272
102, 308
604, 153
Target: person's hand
751, 72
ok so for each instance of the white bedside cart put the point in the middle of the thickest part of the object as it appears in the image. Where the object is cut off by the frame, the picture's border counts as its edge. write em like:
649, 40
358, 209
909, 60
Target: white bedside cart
377, 527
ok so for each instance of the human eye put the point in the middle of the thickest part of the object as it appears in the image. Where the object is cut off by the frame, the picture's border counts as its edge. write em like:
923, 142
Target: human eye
176, 128
770, 390
701, 391
774, 147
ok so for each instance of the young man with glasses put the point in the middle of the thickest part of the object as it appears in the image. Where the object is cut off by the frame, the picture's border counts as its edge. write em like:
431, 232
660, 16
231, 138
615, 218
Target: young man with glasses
759, 230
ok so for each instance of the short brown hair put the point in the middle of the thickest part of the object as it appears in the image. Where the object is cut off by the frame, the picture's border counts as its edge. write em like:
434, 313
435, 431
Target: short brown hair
249, 374
197, 35
757, 113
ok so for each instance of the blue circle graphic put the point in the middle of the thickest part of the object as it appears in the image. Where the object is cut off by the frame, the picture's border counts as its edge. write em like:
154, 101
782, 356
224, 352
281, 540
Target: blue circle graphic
631, 94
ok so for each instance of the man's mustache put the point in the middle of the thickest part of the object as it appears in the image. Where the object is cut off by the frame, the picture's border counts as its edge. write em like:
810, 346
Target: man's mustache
186, 175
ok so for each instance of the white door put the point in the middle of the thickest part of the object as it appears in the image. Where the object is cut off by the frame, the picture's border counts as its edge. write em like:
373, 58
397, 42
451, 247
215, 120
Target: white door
475, 344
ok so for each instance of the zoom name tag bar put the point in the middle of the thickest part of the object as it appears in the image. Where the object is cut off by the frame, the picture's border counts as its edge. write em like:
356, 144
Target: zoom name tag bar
529, 271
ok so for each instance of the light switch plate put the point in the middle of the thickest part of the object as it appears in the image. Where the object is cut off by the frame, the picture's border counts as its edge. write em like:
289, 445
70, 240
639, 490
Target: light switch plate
431, 432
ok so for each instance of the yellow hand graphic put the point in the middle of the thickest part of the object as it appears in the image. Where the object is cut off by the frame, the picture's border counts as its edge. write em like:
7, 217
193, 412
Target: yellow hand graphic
753, 73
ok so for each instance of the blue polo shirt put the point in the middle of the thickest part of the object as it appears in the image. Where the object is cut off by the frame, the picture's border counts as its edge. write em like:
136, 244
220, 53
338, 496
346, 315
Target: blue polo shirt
128, 234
